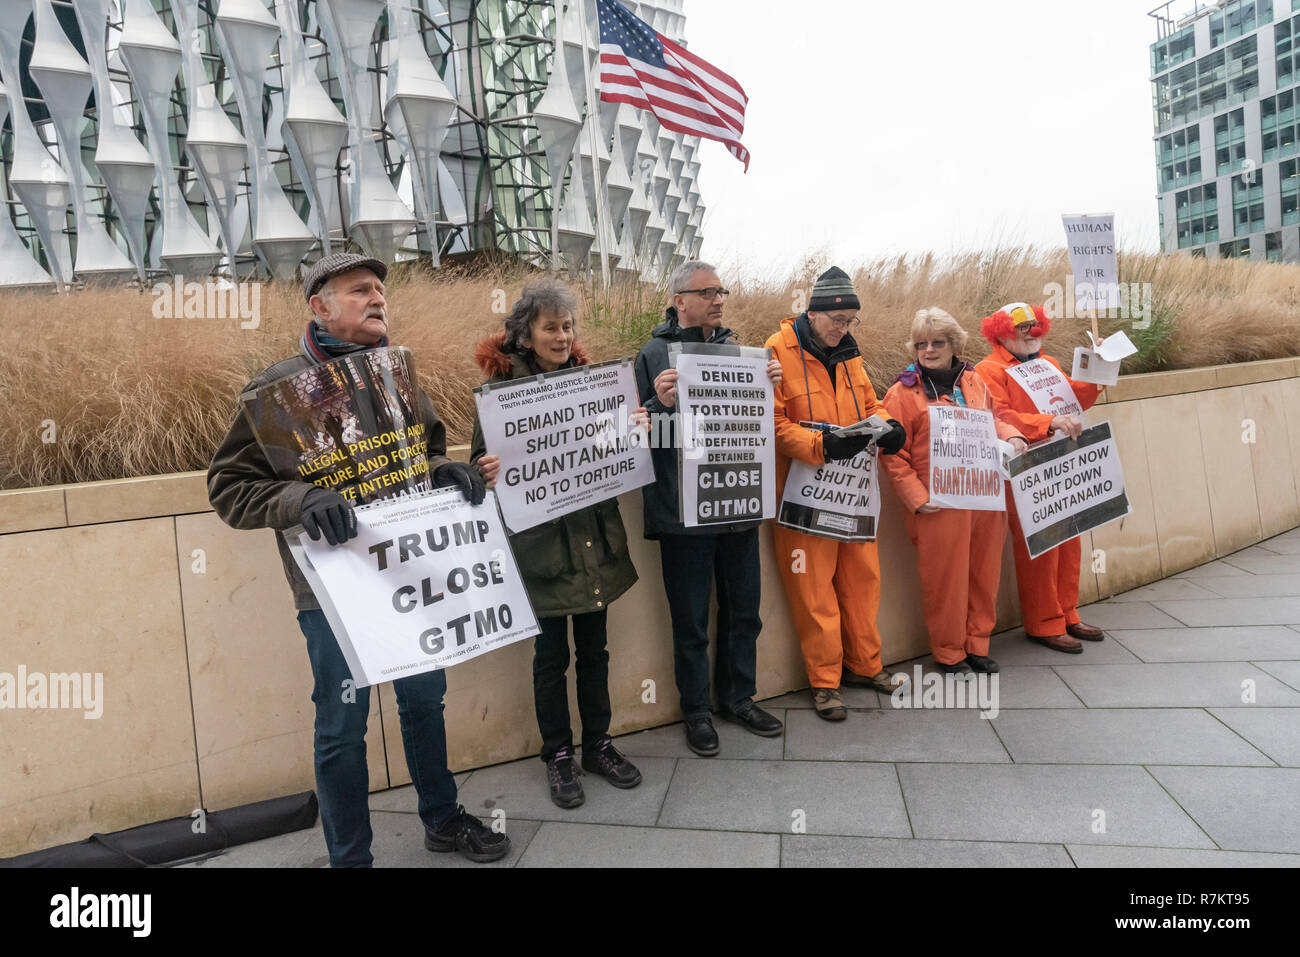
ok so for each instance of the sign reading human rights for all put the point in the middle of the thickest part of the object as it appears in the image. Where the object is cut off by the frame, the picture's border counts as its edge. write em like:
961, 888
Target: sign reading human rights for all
1046, 386
964, 459
565, 440
429, 582
1090, 241
728, 456
839, 500
1065, 487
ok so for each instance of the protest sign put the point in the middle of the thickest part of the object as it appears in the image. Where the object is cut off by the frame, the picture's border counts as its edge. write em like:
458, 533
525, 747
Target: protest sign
564, 439
1064, 487
727, 462
1046, 387
965, 457
1100, 363
429, 582
839, 500
352, 424
1090, 241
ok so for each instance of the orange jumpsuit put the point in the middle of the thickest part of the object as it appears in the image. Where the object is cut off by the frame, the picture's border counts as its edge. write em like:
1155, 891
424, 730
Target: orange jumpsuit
1048, 584
833, 587
958, 551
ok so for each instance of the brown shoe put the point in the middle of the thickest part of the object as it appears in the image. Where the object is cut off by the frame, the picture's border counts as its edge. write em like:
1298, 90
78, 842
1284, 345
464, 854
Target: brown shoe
884, 681
828, 704
1085, 632
1057, 643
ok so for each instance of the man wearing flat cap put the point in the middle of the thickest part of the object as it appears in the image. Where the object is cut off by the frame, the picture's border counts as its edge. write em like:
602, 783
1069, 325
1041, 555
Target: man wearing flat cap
349, 315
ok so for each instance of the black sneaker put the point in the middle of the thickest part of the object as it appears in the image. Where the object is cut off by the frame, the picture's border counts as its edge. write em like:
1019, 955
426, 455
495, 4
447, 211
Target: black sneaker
562, 776
603, 758
466, 834
982, 664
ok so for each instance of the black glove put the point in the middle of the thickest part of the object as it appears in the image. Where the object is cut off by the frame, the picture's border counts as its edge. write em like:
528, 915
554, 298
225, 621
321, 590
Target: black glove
325, 510
837, 448
465, 477
893, 440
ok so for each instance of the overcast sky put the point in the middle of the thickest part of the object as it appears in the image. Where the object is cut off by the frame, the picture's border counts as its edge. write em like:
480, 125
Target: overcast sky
885, 127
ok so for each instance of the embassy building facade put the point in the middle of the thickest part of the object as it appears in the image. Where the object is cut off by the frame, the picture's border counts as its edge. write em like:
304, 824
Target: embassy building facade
242, 138
1226, 91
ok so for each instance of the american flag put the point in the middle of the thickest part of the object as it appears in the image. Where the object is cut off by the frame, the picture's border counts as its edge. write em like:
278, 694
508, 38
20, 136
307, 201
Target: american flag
687, 94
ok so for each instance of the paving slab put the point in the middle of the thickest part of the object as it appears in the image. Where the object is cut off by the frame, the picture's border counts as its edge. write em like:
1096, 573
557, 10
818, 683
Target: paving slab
1123, 736
1176, 685
1285, 671
1218, 569
1170, 588
399, 842
1045, 804
1243, 809
1246, 643
1206, 613
1013, 649
1113, 615
827, 797
1288, 543
813, 851
1274, 731
733, 740
603, 845
1263, 562
519, 788
269, 852
1101, 855
854, 698
893, 735
405, 798
1017, 686
1252, 586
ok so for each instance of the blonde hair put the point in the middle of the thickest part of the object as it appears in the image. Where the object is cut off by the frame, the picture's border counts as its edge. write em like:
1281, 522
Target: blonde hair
936, 320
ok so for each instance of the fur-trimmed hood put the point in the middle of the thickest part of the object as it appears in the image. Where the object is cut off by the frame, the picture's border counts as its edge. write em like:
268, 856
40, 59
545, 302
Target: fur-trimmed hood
496, 363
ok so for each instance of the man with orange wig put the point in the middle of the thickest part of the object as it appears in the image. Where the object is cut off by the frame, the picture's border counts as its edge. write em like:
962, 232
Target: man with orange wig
1039, 400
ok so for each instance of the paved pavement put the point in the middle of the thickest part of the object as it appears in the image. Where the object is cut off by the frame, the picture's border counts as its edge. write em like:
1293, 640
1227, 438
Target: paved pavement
1173, 742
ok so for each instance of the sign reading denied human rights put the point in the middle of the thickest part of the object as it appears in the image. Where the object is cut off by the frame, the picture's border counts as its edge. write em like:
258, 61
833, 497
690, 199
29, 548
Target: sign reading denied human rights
1065, 487
565, 440
429, 581
727, 459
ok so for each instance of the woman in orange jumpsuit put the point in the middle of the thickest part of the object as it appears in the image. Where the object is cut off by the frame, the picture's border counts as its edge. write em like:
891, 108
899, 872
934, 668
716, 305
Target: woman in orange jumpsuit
1048, 584
958, 551
833, 587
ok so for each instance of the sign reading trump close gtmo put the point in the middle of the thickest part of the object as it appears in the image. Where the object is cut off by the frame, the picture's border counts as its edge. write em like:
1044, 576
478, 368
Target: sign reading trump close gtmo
428, 582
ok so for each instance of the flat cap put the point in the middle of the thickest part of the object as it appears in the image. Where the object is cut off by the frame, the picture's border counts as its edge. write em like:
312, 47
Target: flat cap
335, 264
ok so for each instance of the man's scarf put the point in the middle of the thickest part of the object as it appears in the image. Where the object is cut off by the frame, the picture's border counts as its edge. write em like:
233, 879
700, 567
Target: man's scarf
319, 346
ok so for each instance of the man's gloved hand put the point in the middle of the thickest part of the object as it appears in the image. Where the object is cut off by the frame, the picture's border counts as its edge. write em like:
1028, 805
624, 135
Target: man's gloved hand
893, 440
466, 478
326, 511
837, 448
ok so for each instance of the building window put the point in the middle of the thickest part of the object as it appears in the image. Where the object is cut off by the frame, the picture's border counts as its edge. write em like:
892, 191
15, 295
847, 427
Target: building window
1238, 249
1273, 247
1197, 210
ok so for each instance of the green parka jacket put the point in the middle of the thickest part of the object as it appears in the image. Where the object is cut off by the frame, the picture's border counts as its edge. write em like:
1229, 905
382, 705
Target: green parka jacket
577, 563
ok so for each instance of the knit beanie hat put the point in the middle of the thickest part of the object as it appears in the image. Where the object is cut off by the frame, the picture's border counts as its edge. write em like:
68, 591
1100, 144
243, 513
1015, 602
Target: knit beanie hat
833, 290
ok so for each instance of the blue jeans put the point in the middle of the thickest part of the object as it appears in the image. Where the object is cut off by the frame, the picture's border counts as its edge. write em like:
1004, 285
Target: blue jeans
342, 776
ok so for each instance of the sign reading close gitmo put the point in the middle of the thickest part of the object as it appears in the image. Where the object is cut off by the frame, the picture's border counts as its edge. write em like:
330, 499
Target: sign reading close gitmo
429, 582
565, 440
1065, 487
727, 462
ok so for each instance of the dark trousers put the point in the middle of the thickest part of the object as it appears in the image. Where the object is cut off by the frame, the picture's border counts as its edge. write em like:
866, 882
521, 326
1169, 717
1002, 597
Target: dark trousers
691, 565
551, 687
342, 776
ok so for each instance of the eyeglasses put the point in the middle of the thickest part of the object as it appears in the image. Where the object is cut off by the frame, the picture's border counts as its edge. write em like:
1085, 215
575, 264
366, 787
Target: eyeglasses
846, 323
936, 344
710, 292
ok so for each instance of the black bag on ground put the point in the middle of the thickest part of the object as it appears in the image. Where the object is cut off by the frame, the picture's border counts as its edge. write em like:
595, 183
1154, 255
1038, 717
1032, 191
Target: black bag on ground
165, 842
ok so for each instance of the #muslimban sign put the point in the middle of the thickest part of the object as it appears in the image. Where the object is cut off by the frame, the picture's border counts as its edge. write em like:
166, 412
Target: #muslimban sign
727, 462
839, 500
352, 424
965, 459
1065, 487
564, 440
429, 582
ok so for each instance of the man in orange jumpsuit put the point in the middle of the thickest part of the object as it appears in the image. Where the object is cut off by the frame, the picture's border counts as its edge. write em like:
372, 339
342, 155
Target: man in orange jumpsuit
833, 587
1038, 405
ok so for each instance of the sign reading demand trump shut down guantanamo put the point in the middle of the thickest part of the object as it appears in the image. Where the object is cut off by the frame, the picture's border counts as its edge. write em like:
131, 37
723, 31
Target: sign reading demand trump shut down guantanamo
565, 440
727, 458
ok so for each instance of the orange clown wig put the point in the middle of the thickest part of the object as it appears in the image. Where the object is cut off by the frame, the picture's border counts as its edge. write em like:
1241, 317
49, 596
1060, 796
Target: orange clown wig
1003, 323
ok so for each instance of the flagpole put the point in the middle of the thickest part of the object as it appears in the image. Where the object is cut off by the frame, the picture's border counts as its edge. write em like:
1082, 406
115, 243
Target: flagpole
592, 125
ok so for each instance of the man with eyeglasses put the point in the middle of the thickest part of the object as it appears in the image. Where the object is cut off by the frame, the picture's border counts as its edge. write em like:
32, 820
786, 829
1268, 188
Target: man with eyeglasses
693, 558
833, 586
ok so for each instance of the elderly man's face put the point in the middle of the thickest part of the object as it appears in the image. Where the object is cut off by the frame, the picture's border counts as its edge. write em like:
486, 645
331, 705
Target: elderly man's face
351, 307
1022, 343
700, 308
